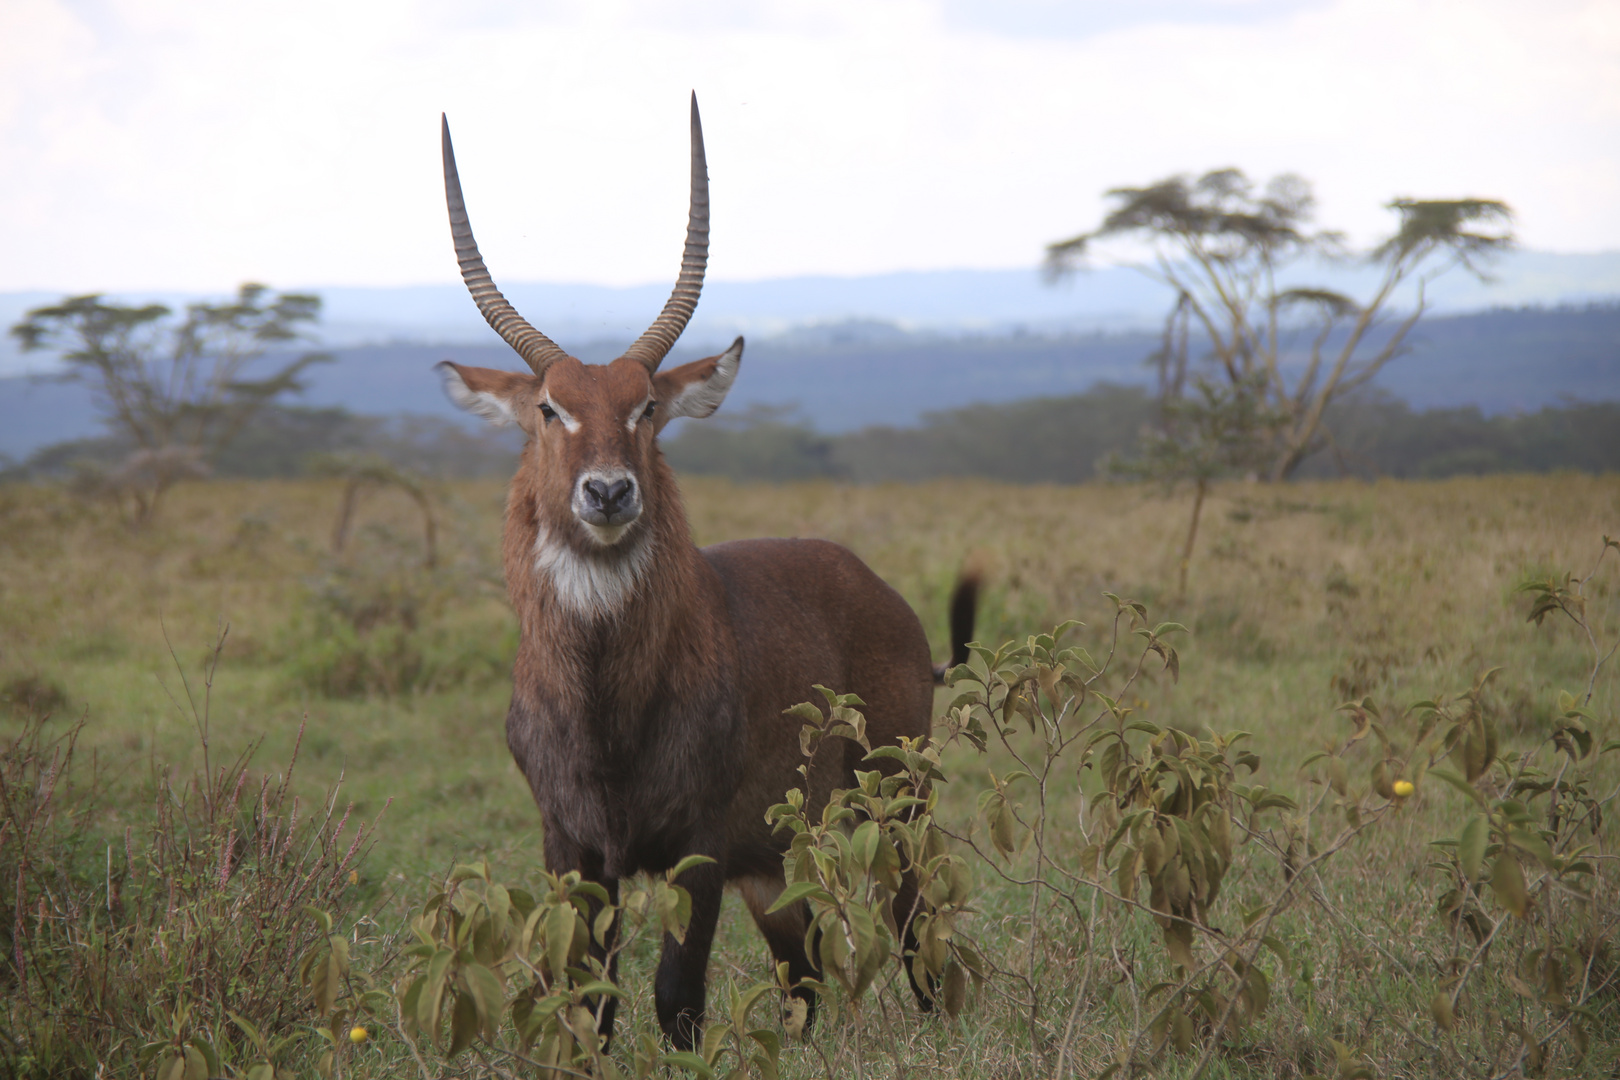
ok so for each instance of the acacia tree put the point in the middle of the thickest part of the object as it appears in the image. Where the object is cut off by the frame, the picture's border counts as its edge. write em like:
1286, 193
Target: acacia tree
1274, 352
175, 392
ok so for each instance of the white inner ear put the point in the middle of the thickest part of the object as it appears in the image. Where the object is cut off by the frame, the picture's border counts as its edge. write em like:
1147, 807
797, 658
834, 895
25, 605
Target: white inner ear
494, 409
701, 398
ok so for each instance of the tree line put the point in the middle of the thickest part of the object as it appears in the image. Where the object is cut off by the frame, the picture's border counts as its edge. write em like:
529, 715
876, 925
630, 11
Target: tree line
1060, 440
1089, 436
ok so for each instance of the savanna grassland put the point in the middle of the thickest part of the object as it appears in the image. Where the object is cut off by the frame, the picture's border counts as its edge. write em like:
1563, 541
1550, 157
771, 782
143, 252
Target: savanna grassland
1148, 899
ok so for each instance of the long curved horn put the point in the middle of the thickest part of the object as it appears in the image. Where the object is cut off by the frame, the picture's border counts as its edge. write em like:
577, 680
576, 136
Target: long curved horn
651, 347
539, 351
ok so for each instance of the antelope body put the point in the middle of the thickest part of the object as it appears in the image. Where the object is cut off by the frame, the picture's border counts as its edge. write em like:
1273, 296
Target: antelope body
651, 675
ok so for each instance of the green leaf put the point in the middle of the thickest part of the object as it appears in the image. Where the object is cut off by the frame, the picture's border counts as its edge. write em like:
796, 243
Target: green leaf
250, 1031
172, 1066
1001, 829
1507, 881
340, 954
1181, 1031
688, 1062
464, 871
1280, 951
686, 863
599, 987
955, 989
1456, 781
714, 1043
1440, 1009
806, 711
863, 843
431, 997
799, 890
487, 995
1533, 845
463, 1023
320, 917
559, 938
592, 889
1338, 776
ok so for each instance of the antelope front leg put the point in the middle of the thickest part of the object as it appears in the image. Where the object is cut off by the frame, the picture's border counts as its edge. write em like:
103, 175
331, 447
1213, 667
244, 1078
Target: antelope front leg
607, 1005
561, 857
683, 968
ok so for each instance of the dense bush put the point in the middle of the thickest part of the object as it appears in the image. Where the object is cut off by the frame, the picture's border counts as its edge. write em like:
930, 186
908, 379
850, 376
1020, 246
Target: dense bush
162, 946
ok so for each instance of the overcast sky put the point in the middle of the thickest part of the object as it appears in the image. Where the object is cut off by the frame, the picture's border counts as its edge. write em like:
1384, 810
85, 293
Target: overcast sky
193, 144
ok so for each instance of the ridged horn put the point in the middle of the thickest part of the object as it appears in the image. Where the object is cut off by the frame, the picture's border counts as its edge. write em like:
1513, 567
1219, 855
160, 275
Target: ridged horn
651, 347
539, 351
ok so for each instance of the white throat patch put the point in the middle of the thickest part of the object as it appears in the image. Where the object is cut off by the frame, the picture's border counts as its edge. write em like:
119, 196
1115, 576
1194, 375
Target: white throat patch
590, 586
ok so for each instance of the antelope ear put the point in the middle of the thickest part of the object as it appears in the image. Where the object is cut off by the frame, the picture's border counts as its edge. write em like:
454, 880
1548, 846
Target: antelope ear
698, 388
494, 395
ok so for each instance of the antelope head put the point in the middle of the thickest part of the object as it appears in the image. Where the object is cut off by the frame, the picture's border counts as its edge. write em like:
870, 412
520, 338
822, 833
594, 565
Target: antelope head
592, 461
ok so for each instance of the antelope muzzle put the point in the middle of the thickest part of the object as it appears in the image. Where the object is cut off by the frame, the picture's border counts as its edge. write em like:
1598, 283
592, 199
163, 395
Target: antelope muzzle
607, 503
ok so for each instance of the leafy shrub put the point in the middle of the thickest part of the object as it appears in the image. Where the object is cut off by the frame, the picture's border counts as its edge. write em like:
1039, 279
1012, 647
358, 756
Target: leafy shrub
523, 979
165, 946
1514, 973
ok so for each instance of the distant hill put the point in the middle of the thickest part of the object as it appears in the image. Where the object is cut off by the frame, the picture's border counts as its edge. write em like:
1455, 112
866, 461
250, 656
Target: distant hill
843, 377
987, 303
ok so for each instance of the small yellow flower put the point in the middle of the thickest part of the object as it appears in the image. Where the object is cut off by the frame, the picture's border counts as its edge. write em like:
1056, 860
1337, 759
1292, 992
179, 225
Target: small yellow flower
1403, 788
358, 1034
354, 877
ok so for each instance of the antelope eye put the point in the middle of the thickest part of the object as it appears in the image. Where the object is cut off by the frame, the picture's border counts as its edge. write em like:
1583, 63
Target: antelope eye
548, 412
646, 414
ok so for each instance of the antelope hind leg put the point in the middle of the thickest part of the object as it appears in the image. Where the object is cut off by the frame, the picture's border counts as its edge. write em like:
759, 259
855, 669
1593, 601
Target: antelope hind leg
784, 933
905, 909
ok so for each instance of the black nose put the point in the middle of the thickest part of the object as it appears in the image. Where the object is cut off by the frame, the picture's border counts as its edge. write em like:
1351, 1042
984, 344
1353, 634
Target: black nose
607, 498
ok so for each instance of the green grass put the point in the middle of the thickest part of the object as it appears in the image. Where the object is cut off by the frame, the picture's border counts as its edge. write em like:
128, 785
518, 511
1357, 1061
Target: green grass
1299, 597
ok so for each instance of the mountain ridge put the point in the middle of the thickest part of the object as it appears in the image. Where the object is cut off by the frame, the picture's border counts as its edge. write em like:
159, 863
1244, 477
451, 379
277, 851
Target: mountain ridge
843, 377
947, 302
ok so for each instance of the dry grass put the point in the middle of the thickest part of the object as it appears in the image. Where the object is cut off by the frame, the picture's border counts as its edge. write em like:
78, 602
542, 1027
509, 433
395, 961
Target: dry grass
1299, 597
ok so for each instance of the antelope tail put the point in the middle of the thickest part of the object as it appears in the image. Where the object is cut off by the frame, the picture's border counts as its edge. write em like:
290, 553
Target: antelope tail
964, 604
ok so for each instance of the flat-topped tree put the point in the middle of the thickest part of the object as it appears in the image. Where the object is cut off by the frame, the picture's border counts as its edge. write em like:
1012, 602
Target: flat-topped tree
1226, 250
175, 392
1248, 365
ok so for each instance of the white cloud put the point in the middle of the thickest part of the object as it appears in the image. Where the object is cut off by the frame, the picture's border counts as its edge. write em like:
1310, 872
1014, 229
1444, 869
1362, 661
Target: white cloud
180, 144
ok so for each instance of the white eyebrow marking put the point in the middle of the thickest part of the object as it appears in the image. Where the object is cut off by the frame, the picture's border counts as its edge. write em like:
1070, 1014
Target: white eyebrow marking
636, 413
568, 422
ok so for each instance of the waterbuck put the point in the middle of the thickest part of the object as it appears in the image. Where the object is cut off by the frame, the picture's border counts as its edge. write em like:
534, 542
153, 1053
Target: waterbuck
651, 675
